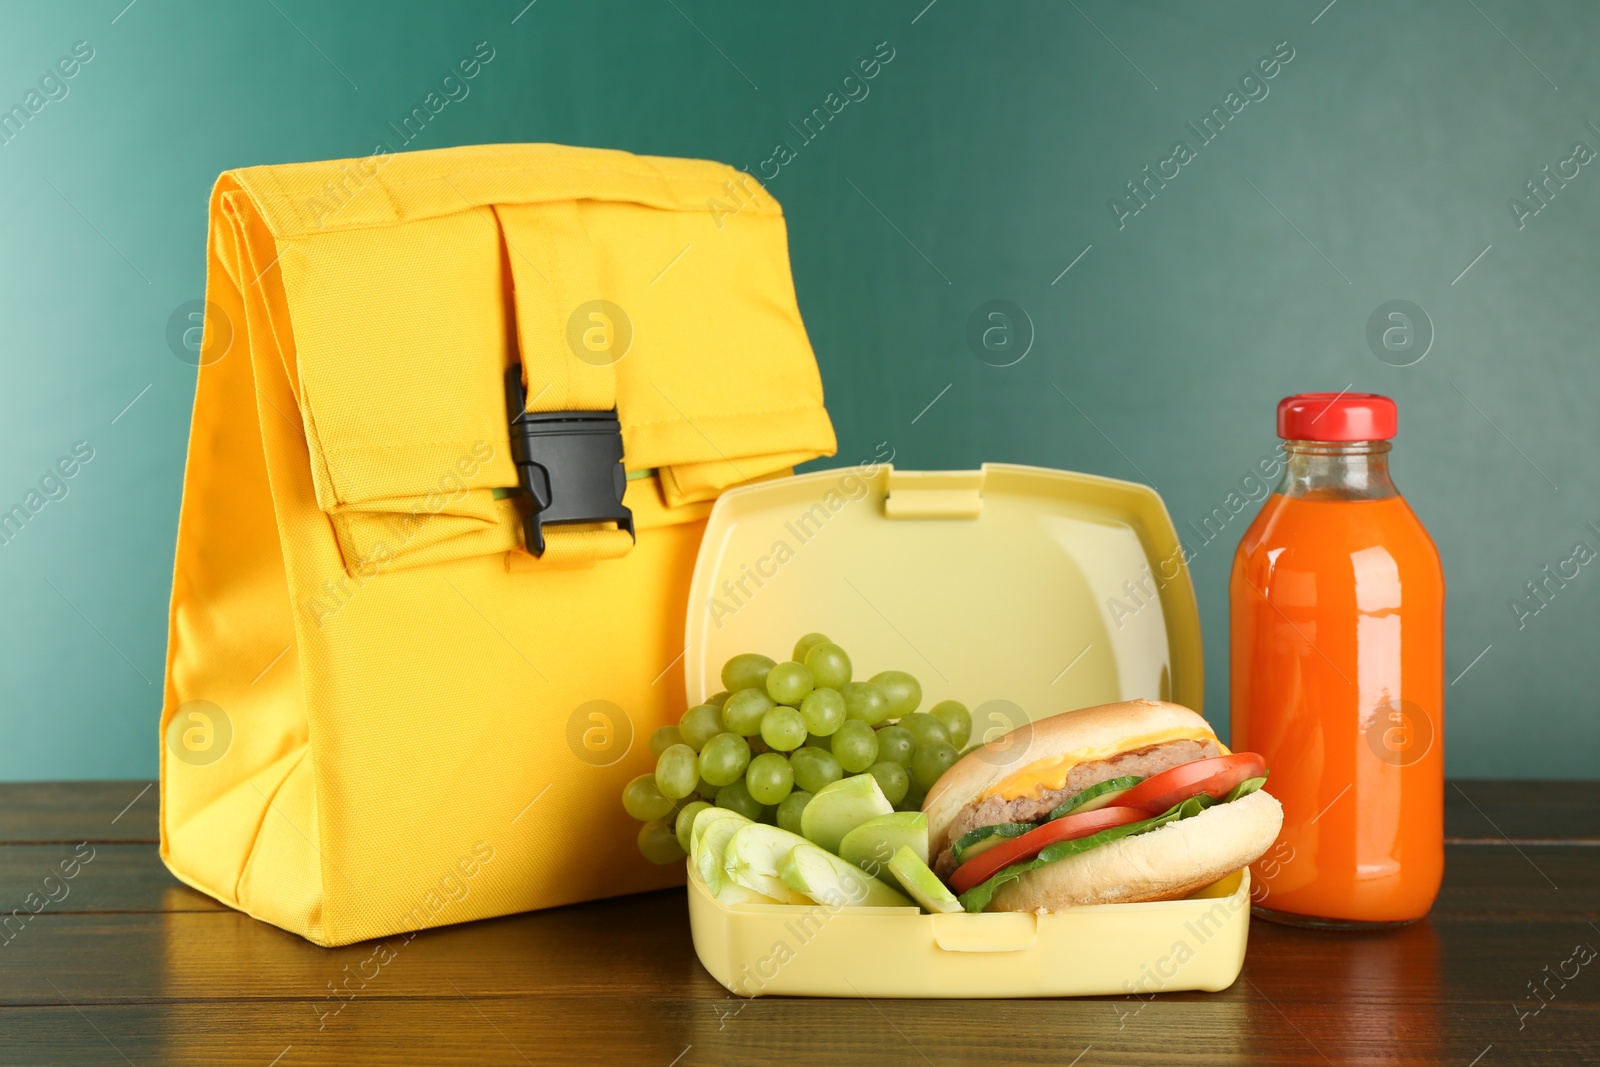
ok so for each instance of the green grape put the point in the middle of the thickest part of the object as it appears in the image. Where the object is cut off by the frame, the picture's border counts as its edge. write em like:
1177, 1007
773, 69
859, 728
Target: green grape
892, 779
663, 739
705, 790
926, 730
807, 643
912, 801
718, 699
789, 811
757, 746
930, 762
683, 822
748, 670
823, 711
724, 759
783, 729
814, 768
701, 724
769, 778
829, 666
818, 741
736, 797
895, 744
864, 702
743, 711
956, 719
903, 692
788, 683
677, 771
658, 843
769, 815
855, 746
644, 800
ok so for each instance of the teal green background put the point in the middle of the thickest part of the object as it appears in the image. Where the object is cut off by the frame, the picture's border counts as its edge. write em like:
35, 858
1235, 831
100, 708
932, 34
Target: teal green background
979, 165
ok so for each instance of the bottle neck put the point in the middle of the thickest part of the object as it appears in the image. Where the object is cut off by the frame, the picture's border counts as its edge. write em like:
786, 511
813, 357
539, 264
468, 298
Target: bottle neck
1343, 470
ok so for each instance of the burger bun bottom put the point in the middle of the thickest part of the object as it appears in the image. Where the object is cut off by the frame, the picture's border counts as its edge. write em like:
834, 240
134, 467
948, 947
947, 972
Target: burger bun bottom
1168, 863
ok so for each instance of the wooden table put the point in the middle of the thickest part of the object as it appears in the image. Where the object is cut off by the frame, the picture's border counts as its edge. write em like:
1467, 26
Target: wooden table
129, 967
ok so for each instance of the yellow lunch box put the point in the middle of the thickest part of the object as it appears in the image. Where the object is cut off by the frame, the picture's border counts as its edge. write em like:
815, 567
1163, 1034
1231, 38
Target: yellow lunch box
1021, 591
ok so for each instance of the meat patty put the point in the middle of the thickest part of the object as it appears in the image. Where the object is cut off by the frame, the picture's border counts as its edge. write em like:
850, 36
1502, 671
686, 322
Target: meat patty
1143, 762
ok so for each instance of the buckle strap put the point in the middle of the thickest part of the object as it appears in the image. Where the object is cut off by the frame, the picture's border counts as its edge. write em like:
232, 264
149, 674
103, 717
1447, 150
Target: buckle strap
568, 449
569, 466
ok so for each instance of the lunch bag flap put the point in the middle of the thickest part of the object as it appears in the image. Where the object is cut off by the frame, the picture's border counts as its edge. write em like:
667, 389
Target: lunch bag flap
657, 287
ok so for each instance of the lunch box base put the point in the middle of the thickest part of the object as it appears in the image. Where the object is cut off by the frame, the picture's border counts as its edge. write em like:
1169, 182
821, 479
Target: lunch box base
1108, 949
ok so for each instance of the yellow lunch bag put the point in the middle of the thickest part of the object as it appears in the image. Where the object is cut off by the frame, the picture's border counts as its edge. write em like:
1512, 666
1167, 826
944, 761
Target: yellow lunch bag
460, 417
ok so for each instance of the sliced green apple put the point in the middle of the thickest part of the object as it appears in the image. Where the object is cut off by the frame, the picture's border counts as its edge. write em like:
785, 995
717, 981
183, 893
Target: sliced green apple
871, 845
712, 837
840, 807
752, 855
915, 876
825, 878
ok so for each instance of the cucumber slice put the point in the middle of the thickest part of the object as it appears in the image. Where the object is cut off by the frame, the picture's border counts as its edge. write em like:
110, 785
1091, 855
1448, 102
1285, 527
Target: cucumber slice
825, 878
923, 885
977, 842
751, 859
1102, 795
873, 844
840, 807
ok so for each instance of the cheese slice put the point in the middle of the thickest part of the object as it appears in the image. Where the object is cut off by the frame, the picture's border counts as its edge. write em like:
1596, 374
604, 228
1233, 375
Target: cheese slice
1052, 773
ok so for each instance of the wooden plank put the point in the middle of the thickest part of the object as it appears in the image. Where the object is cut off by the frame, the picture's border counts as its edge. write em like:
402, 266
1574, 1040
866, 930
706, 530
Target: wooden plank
1503, 883
1520, 811
1485, 883
466, 1021
640, 946
74, 879
131, 967
45, 812
1475, 810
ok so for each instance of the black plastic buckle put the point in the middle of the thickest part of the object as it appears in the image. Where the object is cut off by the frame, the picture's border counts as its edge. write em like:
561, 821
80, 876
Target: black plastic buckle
569, 464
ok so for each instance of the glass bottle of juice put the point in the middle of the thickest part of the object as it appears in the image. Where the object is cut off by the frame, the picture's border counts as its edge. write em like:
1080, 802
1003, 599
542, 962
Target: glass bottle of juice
1337, 657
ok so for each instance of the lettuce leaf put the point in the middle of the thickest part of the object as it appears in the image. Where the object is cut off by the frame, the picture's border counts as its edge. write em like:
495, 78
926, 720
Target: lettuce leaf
1244, 788
978, 897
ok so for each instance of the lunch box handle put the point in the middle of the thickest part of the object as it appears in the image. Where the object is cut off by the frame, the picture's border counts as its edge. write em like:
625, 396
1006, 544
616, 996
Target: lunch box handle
998, 932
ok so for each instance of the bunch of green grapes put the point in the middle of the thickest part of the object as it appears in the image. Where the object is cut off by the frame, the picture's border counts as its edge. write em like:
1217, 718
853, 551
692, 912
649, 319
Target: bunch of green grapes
781, 731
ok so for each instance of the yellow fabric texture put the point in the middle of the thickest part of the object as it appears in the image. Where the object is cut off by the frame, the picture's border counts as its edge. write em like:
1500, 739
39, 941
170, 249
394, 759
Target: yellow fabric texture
411, 695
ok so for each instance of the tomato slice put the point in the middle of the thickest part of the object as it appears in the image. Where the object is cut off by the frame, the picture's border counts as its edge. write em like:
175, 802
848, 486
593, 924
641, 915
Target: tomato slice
1215, 777
986, 865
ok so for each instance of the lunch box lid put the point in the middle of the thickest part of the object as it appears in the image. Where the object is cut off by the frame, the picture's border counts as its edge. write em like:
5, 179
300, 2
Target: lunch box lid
1020, 591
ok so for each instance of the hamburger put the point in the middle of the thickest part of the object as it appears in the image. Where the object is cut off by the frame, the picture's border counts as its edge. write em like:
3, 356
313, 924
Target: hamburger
1119, 803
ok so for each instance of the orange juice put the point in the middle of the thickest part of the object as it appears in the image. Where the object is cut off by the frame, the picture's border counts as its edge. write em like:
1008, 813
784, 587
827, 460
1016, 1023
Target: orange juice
1337, 657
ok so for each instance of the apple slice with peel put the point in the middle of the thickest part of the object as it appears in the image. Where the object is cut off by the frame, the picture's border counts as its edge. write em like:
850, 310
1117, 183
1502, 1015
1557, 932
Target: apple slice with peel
840, 807
710, 838
733, 893
873, 844
705, 819
827, 879
914, 875
751, 858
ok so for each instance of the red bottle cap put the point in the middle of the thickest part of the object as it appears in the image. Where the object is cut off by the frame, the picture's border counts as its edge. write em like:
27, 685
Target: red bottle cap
1336, 417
